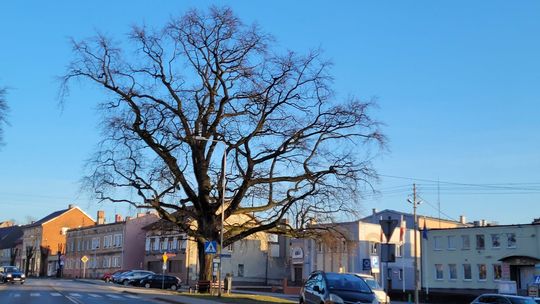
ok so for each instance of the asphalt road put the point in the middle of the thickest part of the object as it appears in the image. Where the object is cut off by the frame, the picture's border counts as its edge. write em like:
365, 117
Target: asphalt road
66, 292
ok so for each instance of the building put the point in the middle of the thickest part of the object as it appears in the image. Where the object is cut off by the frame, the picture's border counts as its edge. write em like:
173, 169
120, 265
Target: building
11, 245
475, 260
44, 241
108, 247
356, 247
259, 259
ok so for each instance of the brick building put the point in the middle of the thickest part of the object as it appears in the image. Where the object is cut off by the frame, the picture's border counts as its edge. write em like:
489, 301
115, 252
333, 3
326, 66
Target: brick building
44, 239
108, 247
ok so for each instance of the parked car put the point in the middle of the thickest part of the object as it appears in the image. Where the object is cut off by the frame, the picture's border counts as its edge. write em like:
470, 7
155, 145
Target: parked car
133, 277
108, 276
336, 288
159, 280
11, 274
537, 300
502, 299
381, 295
116, 277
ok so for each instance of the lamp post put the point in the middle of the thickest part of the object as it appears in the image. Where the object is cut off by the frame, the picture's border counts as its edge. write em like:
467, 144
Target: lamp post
223, 182
415, 203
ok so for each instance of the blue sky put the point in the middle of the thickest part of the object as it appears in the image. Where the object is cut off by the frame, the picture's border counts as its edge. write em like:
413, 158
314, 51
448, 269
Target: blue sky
457, 83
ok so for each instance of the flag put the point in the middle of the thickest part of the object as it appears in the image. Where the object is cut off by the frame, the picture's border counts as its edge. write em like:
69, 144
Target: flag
424, 232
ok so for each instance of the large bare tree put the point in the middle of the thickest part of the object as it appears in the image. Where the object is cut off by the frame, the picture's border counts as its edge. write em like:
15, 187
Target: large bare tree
294, 153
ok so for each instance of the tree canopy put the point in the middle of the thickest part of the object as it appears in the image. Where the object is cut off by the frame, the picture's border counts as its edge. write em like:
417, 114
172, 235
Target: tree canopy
205, 85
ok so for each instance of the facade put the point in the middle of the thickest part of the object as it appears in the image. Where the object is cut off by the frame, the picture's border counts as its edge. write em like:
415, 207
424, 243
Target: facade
476, 259
108, 247
44, 241
357, 246
258, 259
10, 245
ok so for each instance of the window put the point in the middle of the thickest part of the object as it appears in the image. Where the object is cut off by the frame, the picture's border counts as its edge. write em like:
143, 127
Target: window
230, 247
480, 242
465, 242
79, 245
163, 245
155, 244
439, 275
452, 271
482, 272
451, 242
118, 239
170, 243
511, 237
399, 250
437, 243
147, 244
495, 241
174, 244
116, 262
467, 274
320, 247
240, 270
106, 262
107, 241
95, 243
497, 272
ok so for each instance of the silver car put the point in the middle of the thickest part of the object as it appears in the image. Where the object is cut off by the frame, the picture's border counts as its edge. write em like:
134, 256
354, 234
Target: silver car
133, 276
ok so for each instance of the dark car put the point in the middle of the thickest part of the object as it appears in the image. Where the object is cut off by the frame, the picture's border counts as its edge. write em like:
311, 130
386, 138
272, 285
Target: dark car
336, 288
117, 276
159, 280
11, 274
502, 299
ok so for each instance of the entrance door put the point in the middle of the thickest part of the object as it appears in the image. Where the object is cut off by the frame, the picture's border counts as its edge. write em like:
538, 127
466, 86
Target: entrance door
515, 275
298, 275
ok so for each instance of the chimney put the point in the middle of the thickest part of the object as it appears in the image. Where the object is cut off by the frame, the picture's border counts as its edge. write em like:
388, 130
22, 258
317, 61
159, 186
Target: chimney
100, 217
128, 218
117, 218
71, 206
140, 215
462, 219
374, 211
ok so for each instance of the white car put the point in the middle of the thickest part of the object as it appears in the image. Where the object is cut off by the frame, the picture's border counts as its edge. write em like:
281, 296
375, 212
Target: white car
382, 297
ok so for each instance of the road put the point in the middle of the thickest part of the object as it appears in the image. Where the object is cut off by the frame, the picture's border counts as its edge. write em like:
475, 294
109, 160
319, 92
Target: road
45, 291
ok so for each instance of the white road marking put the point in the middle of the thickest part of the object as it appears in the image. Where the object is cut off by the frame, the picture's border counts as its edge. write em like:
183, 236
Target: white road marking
56, 294
94, 295
114, 296
132, 296
17, 295
34, 294
75, 295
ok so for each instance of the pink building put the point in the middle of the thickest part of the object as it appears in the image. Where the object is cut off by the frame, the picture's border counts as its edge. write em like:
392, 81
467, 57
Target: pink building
108, 247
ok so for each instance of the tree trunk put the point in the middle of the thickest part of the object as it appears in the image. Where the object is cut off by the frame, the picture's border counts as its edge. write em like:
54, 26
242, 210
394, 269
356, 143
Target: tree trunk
205, 263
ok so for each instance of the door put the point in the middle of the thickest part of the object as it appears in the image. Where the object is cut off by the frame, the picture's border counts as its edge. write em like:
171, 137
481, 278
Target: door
298, 275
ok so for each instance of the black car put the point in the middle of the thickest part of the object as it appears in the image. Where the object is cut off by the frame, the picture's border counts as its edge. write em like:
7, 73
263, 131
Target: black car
11, 274
502, 299
159, 280
336, 288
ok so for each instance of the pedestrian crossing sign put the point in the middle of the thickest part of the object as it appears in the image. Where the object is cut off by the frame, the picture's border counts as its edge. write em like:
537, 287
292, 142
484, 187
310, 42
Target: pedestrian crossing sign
210, 247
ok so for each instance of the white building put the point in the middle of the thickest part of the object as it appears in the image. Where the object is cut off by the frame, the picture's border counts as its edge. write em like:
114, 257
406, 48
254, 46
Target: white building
474, 260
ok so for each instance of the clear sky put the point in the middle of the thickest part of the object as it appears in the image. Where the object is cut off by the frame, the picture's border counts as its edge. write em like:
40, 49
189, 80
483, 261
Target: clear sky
457, 83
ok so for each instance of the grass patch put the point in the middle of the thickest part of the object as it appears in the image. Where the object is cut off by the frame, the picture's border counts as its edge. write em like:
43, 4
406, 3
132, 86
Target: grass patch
240, 299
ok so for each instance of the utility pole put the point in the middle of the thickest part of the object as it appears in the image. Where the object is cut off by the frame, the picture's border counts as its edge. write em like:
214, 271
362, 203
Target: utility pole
415, 203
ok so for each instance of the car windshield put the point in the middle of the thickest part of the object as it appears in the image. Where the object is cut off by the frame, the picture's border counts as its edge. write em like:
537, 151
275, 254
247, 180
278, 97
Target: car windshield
12, 269
345, 281
373, 284
521, 301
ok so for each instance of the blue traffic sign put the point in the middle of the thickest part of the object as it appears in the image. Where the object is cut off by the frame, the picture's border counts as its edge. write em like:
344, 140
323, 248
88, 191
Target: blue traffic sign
210, 247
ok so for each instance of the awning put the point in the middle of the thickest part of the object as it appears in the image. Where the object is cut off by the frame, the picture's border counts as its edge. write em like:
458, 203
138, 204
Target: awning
520, 260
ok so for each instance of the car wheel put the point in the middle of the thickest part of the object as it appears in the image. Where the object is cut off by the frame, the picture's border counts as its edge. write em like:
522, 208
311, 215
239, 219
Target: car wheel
147, 285
22, 283
174, 287
126, 282
107, 280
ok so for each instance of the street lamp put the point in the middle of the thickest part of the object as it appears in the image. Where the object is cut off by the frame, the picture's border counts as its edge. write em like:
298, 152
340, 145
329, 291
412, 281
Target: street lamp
224, 164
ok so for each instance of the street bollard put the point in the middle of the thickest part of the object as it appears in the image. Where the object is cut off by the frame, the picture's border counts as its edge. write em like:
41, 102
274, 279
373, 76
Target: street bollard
409, 300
